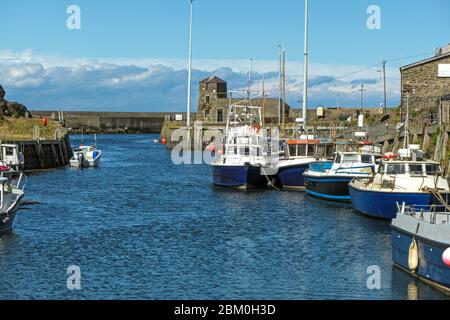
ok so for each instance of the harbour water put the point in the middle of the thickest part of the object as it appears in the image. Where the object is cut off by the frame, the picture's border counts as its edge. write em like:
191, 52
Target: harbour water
140, 227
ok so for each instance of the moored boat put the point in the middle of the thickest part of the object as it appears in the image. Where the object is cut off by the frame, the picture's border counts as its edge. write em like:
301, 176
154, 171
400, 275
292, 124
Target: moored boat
330, 182
298, 156
86, 156
12, 185
398, 181
244, 162
421, 243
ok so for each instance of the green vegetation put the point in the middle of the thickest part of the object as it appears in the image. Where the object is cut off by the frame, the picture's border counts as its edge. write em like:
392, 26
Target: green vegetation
12, 129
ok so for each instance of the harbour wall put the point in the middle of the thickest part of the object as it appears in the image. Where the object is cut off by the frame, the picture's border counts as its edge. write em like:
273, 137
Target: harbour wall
111, 122
45, 154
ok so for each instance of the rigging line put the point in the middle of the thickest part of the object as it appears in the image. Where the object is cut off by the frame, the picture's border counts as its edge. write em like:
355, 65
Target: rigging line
410, 57
356, 72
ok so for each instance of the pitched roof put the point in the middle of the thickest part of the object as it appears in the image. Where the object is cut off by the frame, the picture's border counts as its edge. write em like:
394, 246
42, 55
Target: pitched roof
415, 64
213, 79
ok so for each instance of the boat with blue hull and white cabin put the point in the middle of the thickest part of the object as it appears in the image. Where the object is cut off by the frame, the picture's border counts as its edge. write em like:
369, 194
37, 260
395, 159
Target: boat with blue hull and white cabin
244, 163
398, 181
298, 156
329, 181
421, 243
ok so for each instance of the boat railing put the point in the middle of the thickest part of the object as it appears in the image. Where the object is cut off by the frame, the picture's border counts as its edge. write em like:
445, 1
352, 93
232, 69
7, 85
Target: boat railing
419, 212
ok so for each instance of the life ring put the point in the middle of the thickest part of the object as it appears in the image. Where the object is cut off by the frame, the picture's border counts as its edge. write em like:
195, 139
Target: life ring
256, 127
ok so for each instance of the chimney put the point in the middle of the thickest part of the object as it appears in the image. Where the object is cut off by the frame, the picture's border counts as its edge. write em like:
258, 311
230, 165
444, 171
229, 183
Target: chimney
443, 50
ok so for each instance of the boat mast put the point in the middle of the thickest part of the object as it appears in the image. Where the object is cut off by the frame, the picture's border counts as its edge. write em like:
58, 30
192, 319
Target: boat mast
188, 120
283, 86
249, 90
305, 71
279, 93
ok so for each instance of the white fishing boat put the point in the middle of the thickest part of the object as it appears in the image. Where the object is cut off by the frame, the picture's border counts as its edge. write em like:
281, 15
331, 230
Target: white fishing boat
85, 157
244, 160
11, 156
405, 179
12, 186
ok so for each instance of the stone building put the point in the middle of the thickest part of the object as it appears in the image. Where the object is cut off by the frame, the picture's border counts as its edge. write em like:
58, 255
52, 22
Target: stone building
214, 102
426, 82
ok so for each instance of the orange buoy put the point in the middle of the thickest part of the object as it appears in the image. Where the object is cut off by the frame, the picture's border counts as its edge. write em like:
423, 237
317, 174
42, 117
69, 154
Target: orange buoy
446, 257
164, 140
44, 121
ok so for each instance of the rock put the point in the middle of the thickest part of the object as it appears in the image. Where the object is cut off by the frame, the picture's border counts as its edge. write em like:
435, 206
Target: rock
11, 109
2, 93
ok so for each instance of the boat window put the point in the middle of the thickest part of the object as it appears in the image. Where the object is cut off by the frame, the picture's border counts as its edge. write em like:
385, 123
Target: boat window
366, 158
301, 150
382, 168
338, 158
246, 151
351, 158
433, 169
330, 150
235, 151
293, 150
311, 151
9, 152
258, 152
415, 169
396, 169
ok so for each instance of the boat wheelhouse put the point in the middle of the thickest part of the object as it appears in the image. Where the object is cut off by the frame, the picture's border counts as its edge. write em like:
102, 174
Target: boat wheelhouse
298, 156
421, 243
245, 158
329, 181
397, 181
11, 156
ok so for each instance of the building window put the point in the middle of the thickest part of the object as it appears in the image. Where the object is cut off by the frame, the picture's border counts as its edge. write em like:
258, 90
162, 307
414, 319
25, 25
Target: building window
207, 99
220, 115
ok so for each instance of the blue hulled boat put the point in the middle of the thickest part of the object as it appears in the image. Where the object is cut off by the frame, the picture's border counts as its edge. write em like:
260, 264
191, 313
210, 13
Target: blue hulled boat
298, 156
398, 181
244, 163
421, 243
331, 183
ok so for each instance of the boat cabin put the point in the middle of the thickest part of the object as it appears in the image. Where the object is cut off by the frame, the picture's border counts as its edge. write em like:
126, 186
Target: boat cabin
309, 149
410, 168
244, 142
356, 157
11, 156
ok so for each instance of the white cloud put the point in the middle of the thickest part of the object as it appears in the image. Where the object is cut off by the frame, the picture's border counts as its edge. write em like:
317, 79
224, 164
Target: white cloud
155, 84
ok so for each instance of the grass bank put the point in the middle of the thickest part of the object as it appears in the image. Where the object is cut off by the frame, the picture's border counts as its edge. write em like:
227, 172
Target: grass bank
12, 129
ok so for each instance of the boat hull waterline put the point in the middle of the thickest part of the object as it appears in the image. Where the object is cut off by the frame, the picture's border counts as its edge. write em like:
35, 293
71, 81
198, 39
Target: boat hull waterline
239, 177
431, 268
383, 205
329, 188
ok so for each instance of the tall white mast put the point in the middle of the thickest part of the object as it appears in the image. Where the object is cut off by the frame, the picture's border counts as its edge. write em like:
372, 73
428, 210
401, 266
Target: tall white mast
280, 89
305, 68
188, 121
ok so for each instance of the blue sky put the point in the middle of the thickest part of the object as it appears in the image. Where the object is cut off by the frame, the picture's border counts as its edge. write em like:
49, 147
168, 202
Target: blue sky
132, 55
